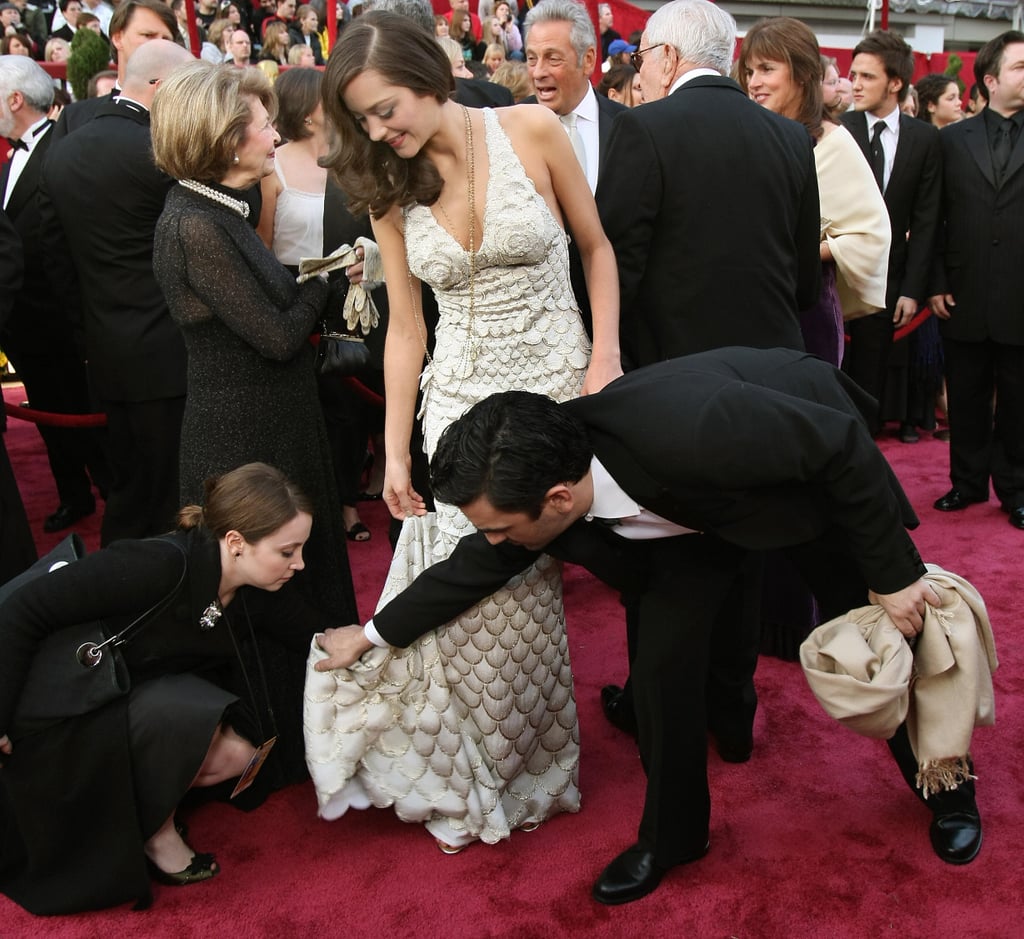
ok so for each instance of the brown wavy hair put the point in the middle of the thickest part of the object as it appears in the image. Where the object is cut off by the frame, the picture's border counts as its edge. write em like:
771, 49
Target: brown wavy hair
255, 499
784, 39
374, 177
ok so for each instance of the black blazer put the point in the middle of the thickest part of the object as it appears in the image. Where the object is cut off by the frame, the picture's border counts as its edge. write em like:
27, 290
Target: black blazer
913, 197
100, 200
79, 113
711, 204
476, 93
982, 241
771, 451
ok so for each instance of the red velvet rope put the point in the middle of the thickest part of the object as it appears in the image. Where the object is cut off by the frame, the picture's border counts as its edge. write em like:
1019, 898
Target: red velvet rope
919, 317
54, 420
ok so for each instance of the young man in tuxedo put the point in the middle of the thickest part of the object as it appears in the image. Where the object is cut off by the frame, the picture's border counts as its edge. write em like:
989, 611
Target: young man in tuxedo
651, 485
907, 160
977, 291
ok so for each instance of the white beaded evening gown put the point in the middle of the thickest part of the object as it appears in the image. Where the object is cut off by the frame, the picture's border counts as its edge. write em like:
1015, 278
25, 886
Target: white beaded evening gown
472, 729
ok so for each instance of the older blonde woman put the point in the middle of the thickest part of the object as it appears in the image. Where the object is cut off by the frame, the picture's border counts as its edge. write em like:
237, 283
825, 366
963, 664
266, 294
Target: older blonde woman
251, 388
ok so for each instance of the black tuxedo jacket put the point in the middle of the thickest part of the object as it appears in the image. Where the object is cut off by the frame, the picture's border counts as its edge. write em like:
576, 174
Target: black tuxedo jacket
39, 310
982, 242
769, 450
79, 113
12, 269
913, 197
476, 93
711, 204
100, 201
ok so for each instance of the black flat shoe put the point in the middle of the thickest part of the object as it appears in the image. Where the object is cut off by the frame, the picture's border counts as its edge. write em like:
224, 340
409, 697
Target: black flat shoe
955, 501
618, 709
203, 867
358, 532
1017, 517
956, 836
632, 875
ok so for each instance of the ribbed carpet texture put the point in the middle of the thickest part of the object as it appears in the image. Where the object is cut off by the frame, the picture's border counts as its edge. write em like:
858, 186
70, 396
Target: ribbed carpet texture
816, 836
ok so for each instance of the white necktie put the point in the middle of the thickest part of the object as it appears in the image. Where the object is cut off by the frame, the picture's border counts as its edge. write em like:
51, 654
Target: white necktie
569, 123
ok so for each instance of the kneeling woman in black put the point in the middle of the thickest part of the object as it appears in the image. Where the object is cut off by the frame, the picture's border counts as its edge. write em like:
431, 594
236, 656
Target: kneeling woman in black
88, 801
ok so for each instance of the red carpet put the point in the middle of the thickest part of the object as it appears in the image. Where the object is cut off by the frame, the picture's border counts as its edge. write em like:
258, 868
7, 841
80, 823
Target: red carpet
817, 836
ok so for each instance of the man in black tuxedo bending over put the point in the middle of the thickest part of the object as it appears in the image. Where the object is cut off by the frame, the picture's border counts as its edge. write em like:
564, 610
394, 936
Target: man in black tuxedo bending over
658, 485
909, 173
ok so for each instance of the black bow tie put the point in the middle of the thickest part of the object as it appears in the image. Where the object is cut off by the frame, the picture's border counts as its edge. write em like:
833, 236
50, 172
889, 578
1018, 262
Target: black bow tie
17, 144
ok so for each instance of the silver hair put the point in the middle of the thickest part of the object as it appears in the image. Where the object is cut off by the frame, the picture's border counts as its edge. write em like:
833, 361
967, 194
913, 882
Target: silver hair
581, 32
20, 73
420, 11
701, 32
601, 7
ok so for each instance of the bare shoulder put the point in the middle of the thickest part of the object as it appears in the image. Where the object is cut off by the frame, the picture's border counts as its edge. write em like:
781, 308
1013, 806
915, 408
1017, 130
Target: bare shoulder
532, 120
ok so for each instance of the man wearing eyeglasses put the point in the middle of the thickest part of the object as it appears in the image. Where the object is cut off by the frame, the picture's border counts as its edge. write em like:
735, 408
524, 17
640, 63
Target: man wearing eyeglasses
710, 202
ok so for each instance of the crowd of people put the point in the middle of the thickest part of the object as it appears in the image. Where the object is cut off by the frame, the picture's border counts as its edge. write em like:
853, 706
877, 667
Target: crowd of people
731, 232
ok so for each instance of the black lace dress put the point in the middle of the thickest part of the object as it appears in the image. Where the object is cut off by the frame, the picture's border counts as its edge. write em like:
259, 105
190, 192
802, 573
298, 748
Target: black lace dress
251, 389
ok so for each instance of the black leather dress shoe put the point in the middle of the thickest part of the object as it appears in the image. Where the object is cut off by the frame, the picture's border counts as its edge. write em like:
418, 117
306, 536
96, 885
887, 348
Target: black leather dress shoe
954, 501
956, 836
66, 516
734, 747
618, 709
1017, 517
632, 875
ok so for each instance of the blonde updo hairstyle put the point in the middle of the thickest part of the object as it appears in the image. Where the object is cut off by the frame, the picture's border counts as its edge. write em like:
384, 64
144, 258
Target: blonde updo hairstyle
200, 115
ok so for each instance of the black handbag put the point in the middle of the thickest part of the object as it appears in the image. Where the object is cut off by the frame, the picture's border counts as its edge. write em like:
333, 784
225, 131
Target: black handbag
79, 668
341, 355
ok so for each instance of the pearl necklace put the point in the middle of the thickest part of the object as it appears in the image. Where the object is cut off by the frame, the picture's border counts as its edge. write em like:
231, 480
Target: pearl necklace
237, 205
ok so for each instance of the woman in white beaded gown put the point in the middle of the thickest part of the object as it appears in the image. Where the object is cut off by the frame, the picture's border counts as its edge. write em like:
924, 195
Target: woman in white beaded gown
472, 729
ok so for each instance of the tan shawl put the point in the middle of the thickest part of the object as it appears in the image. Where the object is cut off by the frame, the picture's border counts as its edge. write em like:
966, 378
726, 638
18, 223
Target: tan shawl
855, 223
866, 676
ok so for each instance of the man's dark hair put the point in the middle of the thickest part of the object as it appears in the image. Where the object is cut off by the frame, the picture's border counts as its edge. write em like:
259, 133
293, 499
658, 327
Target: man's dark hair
511, 448
896, 56
989, 60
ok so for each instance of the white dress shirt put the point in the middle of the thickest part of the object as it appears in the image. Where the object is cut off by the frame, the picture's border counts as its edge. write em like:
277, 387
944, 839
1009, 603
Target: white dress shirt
587, 127
19, 157
890, 139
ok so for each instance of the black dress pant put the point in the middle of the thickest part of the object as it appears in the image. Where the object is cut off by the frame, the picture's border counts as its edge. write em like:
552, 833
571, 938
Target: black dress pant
143, 442
985, 385
867, 355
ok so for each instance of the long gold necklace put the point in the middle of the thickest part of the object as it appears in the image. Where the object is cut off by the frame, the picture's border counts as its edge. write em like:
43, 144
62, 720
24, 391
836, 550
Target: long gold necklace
471, 195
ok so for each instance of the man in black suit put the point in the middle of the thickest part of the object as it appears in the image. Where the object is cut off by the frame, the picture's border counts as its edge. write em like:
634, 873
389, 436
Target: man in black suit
38, 336
134, 23
977, 292
659, 484
101, 197
561, 52
907, 158
70, 9
710, 201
